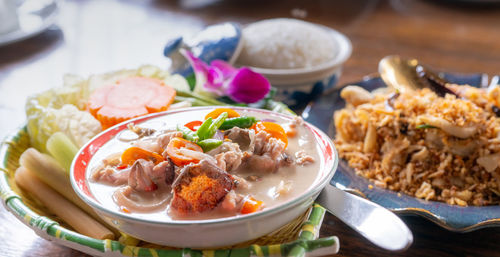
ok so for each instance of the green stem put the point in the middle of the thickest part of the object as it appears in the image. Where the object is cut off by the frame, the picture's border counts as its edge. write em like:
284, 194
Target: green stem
199, 97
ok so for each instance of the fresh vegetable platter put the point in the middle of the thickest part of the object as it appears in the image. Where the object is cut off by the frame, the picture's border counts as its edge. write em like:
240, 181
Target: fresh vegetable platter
36, 160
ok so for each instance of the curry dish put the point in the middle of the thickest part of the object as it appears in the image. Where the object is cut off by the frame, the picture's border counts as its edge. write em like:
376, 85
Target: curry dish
225, 165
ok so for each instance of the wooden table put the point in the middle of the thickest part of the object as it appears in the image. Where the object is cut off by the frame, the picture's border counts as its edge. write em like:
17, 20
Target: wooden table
98, 36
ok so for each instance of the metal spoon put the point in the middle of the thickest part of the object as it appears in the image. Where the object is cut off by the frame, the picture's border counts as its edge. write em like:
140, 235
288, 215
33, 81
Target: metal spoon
377, 224
406, 75
409, 75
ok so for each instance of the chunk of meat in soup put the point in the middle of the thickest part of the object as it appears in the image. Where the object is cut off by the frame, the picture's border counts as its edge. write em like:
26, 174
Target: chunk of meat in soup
145, 176
245, 138
232, 202
165, 138
109, 176
134, 201
163, 172
228, 156
269, 154
200, 187
140, 176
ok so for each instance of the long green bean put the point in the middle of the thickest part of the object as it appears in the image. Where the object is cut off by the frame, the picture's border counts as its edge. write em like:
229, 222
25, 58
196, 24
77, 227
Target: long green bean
209, 144
188, 134
241, 122
216, 124
203, 129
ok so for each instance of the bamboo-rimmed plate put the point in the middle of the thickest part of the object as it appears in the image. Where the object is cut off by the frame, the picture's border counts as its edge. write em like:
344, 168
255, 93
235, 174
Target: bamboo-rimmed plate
451, 217
294, 239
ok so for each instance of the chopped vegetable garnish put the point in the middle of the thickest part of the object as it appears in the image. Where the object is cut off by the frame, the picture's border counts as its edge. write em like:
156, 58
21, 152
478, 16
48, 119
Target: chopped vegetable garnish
424, 126
215, 113
251, 205
128, 98
121, 167
179, 149
124, 209
215, 125
193, 125
209, 144
188, 134
203, 129
274, 129
241, 122
133, 153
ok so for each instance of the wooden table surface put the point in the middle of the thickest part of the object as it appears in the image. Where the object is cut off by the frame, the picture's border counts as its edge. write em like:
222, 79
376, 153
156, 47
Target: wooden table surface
99, 36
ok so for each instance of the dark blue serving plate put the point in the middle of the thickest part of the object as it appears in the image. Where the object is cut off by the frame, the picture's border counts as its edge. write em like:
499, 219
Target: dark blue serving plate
451, 217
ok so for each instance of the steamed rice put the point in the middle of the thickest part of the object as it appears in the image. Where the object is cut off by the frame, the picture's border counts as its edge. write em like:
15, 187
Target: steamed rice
285, 44
434, 148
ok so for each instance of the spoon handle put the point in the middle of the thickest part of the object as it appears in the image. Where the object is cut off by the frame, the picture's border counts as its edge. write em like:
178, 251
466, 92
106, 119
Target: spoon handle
377, 224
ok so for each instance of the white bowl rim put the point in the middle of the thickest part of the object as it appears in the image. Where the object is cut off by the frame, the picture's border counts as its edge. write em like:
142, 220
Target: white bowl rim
308, 193
344, 52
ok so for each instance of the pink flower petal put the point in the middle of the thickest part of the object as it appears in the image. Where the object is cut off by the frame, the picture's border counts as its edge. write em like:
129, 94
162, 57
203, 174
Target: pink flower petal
248, 86
198, 65
215, 78
227, 70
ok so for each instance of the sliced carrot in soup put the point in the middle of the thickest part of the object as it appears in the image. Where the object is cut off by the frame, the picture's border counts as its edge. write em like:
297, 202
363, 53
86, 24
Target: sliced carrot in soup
133, 154
215, 113
251, 205
273, 129
178, 148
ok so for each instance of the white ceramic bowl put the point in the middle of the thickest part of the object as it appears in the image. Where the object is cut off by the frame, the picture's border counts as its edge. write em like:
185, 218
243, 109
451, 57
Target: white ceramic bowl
296, 86
200, 233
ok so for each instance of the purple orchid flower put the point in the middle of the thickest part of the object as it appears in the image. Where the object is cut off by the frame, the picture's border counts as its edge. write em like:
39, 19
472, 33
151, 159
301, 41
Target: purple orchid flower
241, 85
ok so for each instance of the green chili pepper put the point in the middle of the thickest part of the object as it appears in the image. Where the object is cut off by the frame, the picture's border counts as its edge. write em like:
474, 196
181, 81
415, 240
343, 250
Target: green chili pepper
215, 125
188, 134
203, 129
209, 144
424, 126
241, 122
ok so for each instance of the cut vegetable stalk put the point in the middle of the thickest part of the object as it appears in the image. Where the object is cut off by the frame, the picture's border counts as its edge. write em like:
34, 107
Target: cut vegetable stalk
51, 173
192, 101
62, 149
64, 209
209, 100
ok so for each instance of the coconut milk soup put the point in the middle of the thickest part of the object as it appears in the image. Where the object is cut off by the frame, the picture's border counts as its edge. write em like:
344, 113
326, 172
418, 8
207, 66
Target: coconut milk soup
159, 171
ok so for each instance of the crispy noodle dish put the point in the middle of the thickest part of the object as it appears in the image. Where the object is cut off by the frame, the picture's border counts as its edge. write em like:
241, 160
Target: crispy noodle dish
434, 148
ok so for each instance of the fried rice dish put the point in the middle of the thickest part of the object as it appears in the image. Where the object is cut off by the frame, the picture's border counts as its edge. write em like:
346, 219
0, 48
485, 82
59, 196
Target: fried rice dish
435, 148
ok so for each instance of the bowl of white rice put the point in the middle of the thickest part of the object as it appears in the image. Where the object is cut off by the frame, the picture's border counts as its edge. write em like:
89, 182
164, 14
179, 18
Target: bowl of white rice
299, 58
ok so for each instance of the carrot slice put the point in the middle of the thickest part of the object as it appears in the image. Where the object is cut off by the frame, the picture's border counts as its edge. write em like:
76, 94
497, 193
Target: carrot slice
133, 153
177, 156
193, 125
274, 129
129, 98
250, 205
215, 113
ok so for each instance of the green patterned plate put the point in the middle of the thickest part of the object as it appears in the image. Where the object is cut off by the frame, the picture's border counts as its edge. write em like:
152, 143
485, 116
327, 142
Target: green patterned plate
51, 228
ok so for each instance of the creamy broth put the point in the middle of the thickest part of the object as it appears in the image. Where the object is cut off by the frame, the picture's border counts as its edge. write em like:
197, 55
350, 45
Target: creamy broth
265, 189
